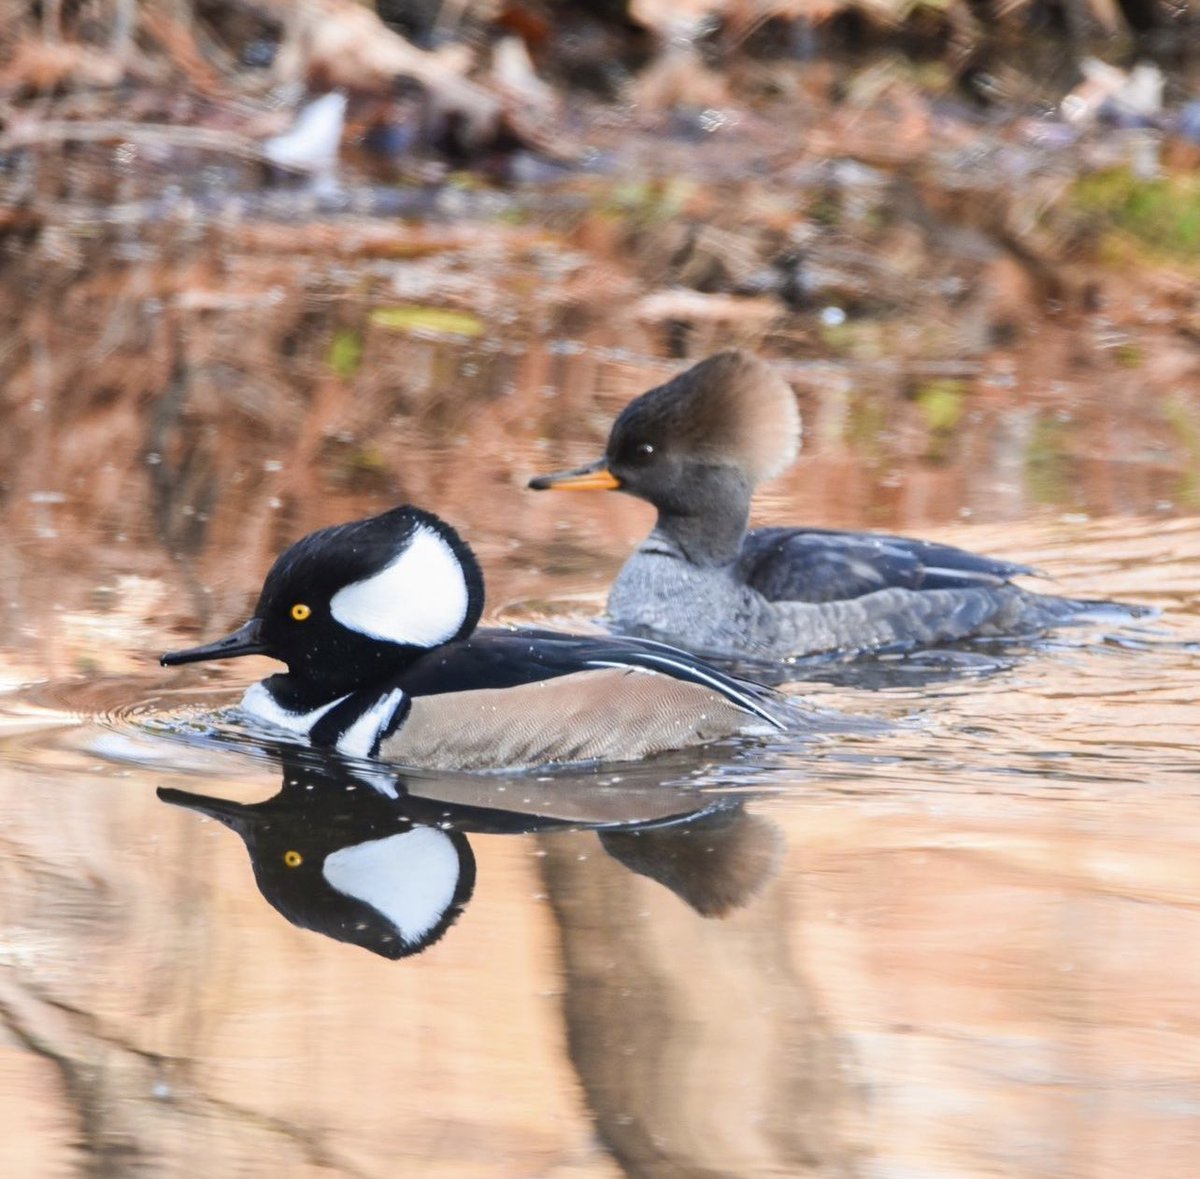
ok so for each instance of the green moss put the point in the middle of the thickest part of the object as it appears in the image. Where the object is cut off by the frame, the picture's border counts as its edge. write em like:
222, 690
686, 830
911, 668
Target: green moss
826, 211
345, 353
435, 320
357, 466
865, 424
863, 339
1162, 214
942, 403
1129, 356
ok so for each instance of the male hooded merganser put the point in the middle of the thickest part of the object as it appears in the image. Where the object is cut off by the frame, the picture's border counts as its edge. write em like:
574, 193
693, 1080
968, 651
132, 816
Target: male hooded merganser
376, 623
696, 448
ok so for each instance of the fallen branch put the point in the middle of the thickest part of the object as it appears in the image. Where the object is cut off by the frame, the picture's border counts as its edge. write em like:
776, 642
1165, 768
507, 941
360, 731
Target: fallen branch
30, 132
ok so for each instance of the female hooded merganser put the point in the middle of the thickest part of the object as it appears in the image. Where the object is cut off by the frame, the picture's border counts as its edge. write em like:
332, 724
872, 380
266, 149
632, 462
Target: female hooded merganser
376, 623
696, 448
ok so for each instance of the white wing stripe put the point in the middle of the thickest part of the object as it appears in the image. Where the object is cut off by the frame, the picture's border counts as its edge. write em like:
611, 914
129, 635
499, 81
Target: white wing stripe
979, 575
698, 675
360, 738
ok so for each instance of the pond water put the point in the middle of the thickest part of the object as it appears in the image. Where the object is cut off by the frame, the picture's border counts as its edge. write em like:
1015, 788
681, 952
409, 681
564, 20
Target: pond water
962, 939
956, 935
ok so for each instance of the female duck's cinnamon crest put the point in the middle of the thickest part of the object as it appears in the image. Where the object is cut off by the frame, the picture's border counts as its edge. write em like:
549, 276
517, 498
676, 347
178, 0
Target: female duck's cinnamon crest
376, 621
696, 448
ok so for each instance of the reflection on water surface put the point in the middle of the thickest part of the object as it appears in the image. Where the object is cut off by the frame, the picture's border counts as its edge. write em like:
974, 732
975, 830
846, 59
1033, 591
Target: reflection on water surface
382, 860
973, 951
973, 943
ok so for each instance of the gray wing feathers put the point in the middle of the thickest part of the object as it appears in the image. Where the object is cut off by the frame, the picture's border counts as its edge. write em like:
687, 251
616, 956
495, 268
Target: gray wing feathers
812, 565
900, 619
608, 714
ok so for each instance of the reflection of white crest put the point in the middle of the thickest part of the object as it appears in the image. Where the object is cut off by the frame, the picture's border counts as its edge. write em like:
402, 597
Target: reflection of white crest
408, 878
420, 598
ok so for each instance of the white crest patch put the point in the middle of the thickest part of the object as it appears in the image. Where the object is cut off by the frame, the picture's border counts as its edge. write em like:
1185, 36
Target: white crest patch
419, 598
359, 739
260, 704
409, 878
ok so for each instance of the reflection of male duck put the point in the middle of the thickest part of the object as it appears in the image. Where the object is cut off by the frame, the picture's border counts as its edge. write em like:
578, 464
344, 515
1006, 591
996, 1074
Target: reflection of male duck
391, 868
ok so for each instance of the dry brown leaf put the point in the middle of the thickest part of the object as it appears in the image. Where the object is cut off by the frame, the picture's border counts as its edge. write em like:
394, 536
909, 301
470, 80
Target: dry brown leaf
337, 43
42, 66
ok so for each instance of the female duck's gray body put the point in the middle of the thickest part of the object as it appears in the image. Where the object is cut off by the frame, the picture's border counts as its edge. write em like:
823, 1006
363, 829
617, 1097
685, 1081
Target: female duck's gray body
696, 448
376, 621
723, 611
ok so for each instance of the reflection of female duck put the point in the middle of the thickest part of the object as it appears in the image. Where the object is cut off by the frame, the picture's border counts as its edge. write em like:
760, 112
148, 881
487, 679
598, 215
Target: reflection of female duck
376, 622
392, 871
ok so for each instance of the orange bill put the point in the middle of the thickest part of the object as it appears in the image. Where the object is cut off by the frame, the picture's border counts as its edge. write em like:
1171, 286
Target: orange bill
594, 477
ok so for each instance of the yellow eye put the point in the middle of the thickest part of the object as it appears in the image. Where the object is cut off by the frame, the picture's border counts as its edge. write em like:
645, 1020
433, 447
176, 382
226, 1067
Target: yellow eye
293, 859
300, 611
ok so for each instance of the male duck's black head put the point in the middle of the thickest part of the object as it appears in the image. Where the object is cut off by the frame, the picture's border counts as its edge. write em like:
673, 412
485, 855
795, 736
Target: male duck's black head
349, 866
697, 446
349, 606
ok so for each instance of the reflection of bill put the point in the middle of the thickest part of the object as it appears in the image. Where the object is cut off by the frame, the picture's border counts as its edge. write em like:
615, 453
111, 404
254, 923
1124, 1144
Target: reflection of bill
382, 859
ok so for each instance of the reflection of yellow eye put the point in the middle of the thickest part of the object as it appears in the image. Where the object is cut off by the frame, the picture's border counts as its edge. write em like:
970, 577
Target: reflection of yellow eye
300, 611
293, 859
